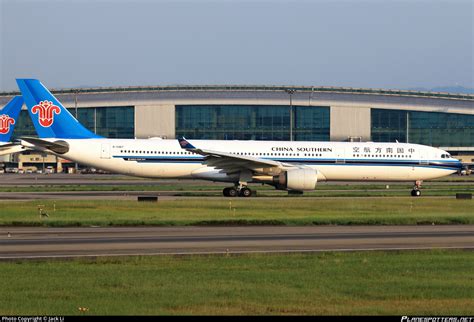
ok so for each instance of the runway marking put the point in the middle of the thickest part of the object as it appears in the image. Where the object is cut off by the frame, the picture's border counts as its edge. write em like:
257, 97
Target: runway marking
269, 237
41, 243
238, 252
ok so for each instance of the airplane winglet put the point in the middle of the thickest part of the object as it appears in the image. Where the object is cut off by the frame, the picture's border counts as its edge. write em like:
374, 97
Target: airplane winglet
185, 144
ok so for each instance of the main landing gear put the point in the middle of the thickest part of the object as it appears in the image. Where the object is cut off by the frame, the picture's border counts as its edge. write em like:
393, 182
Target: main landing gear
237, 192
240, 188
416, 192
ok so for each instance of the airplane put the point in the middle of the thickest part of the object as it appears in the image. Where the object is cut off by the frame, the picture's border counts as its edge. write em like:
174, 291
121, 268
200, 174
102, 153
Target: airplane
294, 165
8, 118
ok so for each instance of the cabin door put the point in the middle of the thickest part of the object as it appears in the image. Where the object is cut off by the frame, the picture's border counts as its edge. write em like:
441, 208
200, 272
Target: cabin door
424, 158
340, 155
105, 151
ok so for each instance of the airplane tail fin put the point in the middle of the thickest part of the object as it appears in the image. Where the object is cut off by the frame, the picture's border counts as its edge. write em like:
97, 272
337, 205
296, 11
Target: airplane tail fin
8, 118
50, 118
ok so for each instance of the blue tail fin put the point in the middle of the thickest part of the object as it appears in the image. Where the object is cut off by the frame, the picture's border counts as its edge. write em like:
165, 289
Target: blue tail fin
50, 118
8, 117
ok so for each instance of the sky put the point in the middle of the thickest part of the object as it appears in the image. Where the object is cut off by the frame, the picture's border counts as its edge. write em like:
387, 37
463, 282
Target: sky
371, 44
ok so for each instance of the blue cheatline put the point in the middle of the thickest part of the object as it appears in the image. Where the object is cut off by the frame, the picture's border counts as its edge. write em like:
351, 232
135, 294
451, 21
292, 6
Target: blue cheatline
434, 164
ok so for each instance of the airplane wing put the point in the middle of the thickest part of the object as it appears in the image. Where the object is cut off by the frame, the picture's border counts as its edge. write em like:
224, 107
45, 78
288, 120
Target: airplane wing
232, 163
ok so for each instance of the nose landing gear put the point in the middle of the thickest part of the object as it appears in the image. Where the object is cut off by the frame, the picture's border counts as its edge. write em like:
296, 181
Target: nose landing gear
416, 192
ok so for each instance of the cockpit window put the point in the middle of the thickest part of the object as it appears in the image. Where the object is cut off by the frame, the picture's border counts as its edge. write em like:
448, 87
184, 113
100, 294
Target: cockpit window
445, 156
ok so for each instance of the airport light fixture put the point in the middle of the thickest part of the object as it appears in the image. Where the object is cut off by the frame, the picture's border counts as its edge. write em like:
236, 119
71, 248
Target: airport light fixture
291, 92
76, 165
75, 101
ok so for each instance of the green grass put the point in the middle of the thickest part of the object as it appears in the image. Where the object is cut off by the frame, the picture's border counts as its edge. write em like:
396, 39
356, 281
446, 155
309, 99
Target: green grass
360, 283
209, 211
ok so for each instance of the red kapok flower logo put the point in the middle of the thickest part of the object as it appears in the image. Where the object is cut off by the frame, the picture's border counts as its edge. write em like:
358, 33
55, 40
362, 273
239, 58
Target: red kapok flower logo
46, 111
5, 122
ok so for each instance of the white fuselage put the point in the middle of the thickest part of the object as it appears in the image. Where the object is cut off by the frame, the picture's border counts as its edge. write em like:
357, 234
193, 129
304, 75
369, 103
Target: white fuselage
334, 161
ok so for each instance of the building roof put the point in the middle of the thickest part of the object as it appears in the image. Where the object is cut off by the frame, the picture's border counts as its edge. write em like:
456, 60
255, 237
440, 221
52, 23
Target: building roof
260, 88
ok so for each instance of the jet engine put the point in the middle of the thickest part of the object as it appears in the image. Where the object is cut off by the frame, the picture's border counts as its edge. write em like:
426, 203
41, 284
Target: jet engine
297, 179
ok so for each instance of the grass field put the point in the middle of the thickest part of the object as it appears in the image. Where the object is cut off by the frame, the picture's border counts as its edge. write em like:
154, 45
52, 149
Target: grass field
389, 283
211, 211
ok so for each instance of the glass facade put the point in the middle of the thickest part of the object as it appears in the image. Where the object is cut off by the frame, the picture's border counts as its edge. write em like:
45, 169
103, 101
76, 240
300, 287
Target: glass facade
428, 128
85, 116
388, 125
252, 122
24, 126
272, 122
115, 122
109, 122
311, 123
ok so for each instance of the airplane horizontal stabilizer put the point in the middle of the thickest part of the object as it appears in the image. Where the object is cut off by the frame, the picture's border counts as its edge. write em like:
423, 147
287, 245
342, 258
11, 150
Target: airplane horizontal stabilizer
11, 148
58, 146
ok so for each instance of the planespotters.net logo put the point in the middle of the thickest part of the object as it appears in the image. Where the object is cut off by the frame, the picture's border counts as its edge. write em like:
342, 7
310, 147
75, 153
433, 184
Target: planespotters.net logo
5, 122
437, 319
45, 111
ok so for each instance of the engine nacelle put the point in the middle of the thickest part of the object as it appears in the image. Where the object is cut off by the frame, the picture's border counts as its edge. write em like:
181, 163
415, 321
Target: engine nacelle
297, 179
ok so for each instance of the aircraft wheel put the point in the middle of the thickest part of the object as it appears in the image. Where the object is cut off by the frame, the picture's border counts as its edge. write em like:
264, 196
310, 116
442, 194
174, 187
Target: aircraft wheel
416, 193
245, 192
232, 192
225, 192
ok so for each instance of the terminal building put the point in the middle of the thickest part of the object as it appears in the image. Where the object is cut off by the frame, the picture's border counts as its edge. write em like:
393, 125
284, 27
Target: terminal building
299, 113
